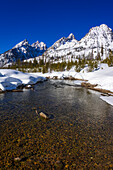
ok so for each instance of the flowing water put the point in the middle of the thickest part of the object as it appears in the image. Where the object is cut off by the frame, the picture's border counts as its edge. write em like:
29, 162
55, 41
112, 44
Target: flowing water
79, 135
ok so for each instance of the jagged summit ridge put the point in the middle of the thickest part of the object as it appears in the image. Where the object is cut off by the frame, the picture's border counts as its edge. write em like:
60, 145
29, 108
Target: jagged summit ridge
22, 43
39, 45
22, 51
98, 37
63, 41
90, 46
71, 36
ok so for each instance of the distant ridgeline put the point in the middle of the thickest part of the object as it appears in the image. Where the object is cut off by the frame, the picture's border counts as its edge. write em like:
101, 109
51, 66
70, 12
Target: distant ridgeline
95, 47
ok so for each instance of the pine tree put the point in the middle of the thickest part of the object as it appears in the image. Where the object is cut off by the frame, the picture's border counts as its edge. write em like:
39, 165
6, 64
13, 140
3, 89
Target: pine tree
98, 56
43, 70
91, 65
96, 65
35, 62
18, 62
102, 50
30, 64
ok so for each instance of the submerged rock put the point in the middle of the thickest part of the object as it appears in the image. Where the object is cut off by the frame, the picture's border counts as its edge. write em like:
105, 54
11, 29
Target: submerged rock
55, 77
59, 165
29, 86
17, 159
44, 115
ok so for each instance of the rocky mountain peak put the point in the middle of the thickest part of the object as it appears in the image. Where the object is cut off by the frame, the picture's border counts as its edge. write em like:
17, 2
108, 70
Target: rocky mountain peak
35, 44
91, 43
89, 46
58, 43
104, 27
98, 35
71, 36
22, 43
22, 51
43, 46
100, 29
39, 45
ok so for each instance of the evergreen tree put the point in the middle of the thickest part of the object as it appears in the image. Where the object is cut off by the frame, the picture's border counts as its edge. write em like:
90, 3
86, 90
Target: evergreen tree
98, 56
35, 62
43, 69
41, 62
91, 65
102, 50
18, 62
30, 64
96, 64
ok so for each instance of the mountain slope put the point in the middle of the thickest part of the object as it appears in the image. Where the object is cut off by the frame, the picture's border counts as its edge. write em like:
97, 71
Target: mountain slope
22, 51
97, 42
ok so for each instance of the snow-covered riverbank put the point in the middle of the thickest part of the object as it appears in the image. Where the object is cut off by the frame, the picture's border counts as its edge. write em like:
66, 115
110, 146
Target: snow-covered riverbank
11, 79
102, 78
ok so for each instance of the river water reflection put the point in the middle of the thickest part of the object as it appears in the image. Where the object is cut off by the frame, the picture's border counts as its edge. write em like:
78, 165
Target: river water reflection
79, 136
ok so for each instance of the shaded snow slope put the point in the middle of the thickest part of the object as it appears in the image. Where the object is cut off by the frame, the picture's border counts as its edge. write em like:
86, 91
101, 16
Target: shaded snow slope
22, 51
11, 79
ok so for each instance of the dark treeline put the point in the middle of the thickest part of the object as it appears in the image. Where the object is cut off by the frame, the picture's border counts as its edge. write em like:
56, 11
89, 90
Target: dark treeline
42, 66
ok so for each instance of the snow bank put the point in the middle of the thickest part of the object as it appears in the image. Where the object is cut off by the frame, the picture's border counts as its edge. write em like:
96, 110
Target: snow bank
102, 77
11, 79
108, 99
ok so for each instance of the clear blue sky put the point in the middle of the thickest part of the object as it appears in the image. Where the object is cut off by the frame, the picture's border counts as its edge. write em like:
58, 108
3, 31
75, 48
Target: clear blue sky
49, 20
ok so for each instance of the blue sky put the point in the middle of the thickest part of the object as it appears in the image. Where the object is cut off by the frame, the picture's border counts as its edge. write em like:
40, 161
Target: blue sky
49, 20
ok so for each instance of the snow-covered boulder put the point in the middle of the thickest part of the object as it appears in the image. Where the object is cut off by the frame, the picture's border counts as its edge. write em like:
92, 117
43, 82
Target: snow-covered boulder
11, 79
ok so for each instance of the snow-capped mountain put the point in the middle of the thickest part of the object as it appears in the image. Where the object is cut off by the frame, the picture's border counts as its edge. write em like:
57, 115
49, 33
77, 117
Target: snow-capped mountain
63, 41
39, 46
98, 41
22, 51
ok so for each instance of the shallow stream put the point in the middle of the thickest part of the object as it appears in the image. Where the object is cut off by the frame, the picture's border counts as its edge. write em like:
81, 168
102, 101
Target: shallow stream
79, 135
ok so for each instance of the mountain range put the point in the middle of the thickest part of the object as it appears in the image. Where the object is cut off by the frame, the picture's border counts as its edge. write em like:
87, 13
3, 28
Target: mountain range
97, 42
22, 51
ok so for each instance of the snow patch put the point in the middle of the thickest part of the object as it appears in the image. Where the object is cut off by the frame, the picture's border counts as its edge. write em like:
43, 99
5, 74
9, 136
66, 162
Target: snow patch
11, 79
108, 99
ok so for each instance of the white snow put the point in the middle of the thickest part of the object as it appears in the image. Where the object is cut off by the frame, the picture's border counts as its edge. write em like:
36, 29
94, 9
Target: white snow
11, 79
21, 44
91, 43
103, 77
39, 45
108, 99
22, 50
